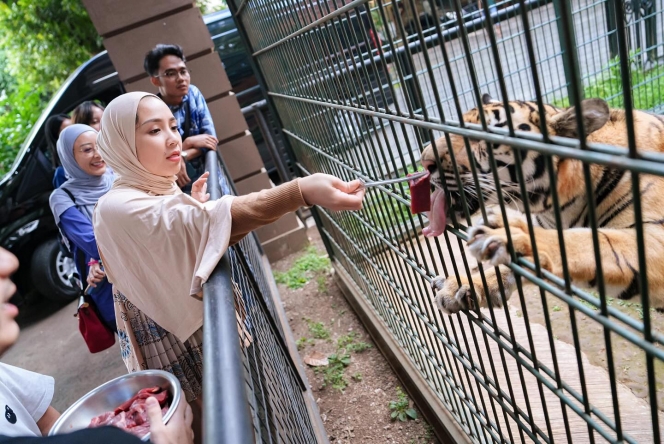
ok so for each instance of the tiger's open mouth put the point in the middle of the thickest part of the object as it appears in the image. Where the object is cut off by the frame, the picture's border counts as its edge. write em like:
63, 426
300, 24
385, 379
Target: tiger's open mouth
438, 214
446, 205
457, 207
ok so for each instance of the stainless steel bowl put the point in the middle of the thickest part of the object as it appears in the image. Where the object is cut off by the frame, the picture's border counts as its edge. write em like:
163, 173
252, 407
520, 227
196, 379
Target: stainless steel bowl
108, 396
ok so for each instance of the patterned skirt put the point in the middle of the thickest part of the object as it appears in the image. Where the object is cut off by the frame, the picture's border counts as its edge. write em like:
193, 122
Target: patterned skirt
145, 345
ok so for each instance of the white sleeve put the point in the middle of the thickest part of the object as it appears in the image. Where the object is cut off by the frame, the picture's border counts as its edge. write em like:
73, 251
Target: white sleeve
33, 390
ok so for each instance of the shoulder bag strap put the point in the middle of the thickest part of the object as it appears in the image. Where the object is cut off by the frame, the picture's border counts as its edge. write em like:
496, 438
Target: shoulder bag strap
80, 255
187, 120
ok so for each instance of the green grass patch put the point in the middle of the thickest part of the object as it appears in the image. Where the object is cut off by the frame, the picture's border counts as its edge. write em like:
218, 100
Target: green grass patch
303, 342
317, 329
304, 269
334, 373
321, 281
647, 86
400, 409
347, 342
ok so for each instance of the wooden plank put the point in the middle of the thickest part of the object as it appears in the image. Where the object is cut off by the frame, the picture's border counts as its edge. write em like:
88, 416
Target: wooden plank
111, 15
186, 28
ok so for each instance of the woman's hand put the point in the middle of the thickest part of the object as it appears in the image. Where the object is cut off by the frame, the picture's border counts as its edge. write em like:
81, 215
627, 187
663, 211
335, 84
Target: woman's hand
199, 188
332, 192
95, 274
177, 431
182, 176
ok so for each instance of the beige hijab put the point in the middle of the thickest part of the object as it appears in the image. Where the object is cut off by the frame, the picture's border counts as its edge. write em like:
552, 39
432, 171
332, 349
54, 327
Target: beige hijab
158, 245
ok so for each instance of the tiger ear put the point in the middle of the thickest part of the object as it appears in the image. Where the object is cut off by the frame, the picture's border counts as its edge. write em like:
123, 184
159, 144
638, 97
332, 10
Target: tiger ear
595, 114
487, 99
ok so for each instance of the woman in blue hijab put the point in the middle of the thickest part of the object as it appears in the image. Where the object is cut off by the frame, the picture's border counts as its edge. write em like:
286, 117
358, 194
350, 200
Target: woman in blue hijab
72, 205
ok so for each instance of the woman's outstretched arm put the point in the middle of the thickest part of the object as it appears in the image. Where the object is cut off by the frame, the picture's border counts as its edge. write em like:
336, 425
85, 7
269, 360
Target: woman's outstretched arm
254, 210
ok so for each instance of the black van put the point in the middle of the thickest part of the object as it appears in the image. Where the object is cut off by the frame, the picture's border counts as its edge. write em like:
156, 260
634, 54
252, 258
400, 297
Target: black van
27, 227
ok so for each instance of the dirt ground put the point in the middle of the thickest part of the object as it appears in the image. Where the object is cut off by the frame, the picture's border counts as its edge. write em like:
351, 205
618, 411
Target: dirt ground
360, 413
629, 360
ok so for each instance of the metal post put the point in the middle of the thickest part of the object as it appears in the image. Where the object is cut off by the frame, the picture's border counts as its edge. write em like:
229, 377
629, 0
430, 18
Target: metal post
611, 26
570, 46
650, 14
226, 418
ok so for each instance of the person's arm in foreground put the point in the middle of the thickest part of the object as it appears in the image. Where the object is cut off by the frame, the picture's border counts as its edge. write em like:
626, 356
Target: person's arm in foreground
47, 420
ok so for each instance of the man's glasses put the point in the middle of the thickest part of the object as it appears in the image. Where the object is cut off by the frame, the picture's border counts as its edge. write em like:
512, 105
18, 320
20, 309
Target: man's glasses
173, 74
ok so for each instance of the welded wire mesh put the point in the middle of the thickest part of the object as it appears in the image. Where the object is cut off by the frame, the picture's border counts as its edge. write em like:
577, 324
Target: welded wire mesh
274, 386
362, 87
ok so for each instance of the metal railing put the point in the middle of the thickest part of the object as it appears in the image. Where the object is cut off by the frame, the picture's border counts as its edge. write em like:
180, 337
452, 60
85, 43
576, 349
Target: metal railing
549, 361
253, 390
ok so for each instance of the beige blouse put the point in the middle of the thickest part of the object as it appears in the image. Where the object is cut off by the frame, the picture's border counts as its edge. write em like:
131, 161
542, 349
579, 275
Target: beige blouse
164, 248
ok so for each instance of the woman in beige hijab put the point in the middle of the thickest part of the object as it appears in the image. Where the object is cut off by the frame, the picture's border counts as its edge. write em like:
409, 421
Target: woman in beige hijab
159, 246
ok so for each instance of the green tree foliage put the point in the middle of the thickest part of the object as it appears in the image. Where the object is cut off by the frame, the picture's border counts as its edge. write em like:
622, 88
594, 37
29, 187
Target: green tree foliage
208, 6
7, 81
44, 40
41, 43
18, 112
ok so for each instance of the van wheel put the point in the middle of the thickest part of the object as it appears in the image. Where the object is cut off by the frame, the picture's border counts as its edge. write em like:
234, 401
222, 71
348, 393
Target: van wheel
50, 270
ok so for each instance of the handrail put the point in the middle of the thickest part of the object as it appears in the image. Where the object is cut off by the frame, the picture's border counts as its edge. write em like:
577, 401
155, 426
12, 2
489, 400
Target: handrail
226, 416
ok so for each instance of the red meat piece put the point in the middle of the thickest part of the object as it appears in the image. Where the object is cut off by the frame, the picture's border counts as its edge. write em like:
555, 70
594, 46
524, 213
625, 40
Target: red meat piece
140, 431
161, 397
129, 420
119, 421
420, 194
102, 420
138, 412
133, 417
142, 394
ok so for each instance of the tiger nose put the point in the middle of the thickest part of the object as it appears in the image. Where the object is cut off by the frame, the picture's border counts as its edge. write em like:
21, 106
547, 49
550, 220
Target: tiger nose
429, 165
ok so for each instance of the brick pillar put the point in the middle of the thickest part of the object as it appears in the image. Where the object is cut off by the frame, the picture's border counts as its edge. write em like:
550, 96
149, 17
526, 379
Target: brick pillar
131, 28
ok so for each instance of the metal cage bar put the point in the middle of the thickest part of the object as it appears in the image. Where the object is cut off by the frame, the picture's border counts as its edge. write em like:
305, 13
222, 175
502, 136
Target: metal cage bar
362, 87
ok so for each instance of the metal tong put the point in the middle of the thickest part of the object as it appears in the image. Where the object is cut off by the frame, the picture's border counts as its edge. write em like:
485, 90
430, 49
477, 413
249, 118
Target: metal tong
376, 183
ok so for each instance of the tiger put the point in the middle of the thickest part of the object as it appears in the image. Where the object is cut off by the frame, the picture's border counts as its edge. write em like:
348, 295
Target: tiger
612, 190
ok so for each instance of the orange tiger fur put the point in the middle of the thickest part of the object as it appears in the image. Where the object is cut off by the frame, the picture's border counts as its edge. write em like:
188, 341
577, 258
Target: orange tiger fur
612, 193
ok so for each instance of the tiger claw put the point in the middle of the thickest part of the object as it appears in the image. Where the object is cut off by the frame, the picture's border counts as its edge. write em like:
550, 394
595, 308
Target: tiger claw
488, 245
450, 297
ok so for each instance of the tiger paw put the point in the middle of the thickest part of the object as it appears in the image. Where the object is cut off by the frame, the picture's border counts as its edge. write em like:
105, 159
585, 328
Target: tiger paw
489, 245
450, 297
494, 219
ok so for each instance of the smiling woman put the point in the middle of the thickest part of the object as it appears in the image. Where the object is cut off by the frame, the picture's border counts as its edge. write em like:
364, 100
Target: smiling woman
72, 206
87, 156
